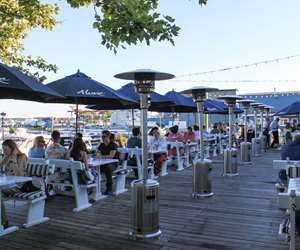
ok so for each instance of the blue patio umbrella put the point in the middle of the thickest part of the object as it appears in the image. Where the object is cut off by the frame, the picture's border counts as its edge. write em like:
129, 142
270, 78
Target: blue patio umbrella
17, 85
82, 89
128, 90
184, 104
292, 109
156, 99
223, 107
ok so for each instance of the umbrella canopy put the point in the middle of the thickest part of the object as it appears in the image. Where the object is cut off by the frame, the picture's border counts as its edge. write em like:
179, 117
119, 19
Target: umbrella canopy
156, 99
292, 109
82, 89
128, 90
183, 104
16, 85
224, 107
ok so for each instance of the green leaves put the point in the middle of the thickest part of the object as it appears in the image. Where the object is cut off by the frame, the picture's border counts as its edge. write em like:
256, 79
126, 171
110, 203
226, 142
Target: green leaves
128, 22
17, 19
121, 23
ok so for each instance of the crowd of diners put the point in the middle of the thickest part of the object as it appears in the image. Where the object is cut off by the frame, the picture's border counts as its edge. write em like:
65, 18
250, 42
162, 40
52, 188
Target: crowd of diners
14, 161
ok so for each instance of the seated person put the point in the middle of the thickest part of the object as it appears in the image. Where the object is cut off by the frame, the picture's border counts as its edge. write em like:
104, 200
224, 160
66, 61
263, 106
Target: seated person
158, 143
189, 135
55, 150
80, 136
120, 140
292, 152
215, 129
107, 150
222, 128
135, 140
197, 132
174, 136
13, 163
78, 153
38, 149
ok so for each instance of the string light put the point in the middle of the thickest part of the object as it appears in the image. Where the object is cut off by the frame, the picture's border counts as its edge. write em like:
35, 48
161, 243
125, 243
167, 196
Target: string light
277, 60
238, 81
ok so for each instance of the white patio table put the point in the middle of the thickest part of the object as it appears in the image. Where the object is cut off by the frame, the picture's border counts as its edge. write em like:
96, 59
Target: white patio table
7, 182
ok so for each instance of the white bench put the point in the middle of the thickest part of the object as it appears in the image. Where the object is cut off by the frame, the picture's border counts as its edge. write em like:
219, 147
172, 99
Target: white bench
137, 153
36, 199
78, 190
121, 172
164, 167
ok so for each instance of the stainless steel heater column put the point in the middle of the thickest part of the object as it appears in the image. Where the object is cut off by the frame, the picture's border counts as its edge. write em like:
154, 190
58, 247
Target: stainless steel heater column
230, 154
145, 192
201, 166
245, 145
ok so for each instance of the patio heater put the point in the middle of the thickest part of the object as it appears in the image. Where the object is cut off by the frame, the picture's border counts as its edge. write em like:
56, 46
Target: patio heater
3, 114
144, 194
245, 146
201, 168
256, 142
230, 153
263, 138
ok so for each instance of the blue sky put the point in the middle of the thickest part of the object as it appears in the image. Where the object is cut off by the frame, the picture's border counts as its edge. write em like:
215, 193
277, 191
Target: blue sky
221, 34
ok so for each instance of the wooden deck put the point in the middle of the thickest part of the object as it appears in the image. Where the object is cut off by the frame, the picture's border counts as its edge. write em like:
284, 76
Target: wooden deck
241, 215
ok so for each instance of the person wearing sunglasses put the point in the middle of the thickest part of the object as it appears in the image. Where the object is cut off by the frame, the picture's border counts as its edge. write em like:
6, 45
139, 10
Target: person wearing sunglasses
107, 150
38, 149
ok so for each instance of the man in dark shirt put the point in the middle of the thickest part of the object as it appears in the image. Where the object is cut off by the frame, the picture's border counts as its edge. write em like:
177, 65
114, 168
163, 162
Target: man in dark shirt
292, 150
133, 142
107, 150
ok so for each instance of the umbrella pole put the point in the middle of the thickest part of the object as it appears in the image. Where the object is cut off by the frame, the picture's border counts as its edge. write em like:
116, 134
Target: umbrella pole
132, 117
76, 118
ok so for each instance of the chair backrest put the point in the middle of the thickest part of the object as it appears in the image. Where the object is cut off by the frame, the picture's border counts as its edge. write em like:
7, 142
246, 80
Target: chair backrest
66, 164
123, 154
39, 168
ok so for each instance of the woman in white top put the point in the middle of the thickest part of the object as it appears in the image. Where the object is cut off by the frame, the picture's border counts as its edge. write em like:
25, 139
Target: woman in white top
158, 143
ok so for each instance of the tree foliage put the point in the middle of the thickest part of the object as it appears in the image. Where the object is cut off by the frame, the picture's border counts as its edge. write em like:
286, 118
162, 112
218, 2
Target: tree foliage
128, 22
120, 23
17, 19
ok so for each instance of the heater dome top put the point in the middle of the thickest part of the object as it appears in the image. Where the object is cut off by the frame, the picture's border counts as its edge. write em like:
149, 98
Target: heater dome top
246, 101
144, 74
230, 99
256, 104
198, 90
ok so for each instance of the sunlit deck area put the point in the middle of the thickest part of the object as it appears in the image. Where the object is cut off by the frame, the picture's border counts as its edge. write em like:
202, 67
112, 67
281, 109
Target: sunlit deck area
243, 214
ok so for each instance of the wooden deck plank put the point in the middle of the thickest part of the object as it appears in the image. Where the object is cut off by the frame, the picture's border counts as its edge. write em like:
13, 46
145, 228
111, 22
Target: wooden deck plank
242, 214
